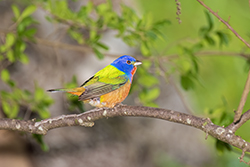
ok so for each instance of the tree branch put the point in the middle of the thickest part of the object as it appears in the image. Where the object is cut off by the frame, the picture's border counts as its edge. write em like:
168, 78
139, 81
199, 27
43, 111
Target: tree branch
87, 119
226, 23
244, 118
243, 100
79, 48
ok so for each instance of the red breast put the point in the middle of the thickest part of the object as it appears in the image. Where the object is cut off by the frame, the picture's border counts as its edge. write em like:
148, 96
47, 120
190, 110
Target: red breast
133, 70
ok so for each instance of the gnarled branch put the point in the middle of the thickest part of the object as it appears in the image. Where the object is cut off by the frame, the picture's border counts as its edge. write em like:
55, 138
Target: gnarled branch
87, 119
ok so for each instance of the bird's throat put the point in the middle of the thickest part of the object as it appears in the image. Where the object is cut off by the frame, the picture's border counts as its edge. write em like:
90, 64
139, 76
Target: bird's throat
133, 70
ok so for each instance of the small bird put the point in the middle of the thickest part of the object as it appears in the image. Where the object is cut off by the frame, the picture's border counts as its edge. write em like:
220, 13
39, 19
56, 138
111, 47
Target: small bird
109, 86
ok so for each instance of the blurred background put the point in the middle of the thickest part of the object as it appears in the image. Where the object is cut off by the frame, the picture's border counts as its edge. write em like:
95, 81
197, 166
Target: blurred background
191, 63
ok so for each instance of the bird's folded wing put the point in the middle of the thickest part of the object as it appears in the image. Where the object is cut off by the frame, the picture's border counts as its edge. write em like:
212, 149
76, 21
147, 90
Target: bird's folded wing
98, 88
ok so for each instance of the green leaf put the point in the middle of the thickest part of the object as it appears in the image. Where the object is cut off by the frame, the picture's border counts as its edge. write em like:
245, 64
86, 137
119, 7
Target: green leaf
223, 38
10, 108
103, 8
73, 100
10, 56
5, 76
17, 94
6, 107
187, 82
22, 26
146, 64
3, 48
154, 93
149, 94
22, 46
72, 84
210, 20
222, 146
30, 32
151, 104
39, 139
209, 40
93, 35
161, 23
47, 101
185, 65
49, 19
4, 94
203, 31
39, 94
147, 20
98, 53
15, 11
195, 63
89, 7
24, 58
10, 39
148, 80
43, 113
14, 110
28, 11
11, 83
151, 34
197, 47
130, 40
76, 35
102, 45
145, 49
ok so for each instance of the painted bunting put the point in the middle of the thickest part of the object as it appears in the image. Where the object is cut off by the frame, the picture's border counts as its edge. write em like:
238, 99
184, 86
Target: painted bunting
109, 86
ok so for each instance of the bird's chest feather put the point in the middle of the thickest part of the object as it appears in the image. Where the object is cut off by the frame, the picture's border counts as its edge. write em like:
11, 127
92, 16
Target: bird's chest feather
133, 71
111, 99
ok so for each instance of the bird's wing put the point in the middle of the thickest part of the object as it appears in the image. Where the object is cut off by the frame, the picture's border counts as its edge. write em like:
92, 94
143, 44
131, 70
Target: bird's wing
103, 82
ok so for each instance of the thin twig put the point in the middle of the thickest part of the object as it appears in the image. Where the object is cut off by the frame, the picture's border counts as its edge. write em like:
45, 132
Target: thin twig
63, 45
226, 23
208, 53
243, 99
164, 75
181, 96
244, 118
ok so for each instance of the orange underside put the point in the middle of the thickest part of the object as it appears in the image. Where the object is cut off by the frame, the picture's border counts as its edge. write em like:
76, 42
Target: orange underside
115, 97
110, 99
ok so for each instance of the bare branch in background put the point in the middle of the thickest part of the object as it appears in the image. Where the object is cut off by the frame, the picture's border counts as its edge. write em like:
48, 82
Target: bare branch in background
244, 118
243, 99
226, 23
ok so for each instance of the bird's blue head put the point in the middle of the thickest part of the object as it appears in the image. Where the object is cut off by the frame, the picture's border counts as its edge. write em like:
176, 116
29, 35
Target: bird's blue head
127, 64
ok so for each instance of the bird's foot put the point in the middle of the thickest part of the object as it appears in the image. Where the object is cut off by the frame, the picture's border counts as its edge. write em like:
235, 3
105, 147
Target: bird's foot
119, 105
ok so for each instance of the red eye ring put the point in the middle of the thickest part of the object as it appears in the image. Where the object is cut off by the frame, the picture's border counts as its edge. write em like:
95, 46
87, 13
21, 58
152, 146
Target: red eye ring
128, 62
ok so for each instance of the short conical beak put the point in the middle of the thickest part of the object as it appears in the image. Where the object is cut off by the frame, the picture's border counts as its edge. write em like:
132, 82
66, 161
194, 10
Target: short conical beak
137, 62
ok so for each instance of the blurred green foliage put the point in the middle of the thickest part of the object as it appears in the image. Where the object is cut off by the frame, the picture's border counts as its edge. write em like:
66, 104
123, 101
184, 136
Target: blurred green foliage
213, 83
74, 103
134, 31
38, 102
15, 44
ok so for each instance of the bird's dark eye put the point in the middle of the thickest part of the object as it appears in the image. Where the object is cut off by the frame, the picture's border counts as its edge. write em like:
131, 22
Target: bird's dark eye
128, 62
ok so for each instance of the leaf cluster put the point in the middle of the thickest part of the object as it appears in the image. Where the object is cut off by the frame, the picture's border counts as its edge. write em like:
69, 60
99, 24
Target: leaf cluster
87, 25
12, 101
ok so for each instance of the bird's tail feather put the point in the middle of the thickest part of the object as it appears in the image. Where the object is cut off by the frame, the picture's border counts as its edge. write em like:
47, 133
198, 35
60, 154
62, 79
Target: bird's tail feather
75, 91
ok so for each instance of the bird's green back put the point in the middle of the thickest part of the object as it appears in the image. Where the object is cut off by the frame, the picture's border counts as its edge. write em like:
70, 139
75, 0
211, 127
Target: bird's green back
109, 75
